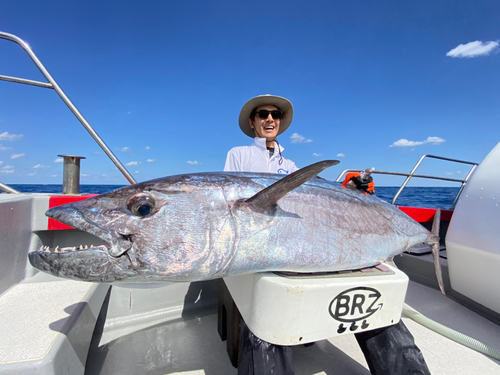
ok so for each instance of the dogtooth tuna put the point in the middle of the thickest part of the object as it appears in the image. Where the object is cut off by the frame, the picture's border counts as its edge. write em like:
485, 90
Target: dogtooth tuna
209, 225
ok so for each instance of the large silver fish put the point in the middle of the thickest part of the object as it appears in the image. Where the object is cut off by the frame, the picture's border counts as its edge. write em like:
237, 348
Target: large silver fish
210, 225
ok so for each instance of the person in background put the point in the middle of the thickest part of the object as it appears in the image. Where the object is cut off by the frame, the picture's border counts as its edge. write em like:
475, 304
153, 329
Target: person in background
362, 180
388, 351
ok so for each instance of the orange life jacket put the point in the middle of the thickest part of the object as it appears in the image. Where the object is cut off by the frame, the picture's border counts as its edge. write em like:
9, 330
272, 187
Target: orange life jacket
365, 184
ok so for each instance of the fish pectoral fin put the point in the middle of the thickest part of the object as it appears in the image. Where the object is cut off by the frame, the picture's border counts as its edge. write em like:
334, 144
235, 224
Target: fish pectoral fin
270, 196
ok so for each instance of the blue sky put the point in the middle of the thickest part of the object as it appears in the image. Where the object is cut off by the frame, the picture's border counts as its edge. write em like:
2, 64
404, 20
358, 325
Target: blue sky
373, 84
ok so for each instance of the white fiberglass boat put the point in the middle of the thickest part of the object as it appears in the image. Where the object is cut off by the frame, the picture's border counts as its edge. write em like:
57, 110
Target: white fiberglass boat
56, 326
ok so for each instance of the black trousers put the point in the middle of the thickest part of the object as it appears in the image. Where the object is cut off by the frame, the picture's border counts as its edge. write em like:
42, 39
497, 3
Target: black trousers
388, 351
259, 357
392, 351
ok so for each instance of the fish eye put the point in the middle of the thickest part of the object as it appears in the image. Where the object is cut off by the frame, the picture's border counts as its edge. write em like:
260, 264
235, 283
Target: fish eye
141, 204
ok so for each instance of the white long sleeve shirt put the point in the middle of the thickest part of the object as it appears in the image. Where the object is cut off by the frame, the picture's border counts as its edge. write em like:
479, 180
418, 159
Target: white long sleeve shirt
255, 158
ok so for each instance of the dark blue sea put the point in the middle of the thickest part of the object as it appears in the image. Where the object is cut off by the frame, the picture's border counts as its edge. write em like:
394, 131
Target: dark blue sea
429, 197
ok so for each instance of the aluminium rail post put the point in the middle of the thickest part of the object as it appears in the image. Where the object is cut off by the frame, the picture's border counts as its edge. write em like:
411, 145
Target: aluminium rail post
463, 185
439, 158
71, 174
8, 189
407, 180
411, 175
53, 85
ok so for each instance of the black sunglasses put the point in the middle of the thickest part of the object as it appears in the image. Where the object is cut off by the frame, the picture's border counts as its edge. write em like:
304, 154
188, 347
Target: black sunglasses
264, 113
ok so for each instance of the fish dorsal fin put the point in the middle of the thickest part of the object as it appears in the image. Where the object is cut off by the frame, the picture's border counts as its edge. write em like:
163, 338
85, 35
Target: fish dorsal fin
270, 196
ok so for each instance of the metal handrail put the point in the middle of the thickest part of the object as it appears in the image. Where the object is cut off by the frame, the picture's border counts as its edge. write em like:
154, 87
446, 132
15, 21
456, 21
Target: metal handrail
412, 174
52, 84
8, 189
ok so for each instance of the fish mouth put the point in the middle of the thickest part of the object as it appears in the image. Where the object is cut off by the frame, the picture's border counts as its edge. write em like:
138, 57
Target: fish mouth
103, 250
92, 264
115, 244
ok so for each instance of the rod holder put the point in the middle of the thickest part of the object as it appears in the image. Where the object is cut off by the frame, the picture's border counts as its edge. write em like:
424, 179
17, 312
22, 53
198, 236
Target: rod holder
71, 174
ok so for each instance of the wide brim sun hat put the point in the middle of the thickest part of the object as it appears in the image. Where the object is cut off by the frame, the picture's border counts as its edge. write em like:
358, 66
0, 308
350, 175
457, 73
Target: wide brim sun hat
283, 104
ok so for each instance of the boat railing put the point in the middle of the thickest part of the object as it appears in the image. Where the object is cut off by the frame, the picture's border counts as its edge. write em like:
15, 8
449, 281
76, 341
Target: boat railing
52, 84
412, 174
8, 189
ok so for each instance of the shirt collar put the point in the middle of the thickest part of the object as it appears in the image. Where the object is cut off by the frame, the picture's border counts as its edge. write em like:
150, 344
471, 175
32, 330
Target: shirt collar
260, 143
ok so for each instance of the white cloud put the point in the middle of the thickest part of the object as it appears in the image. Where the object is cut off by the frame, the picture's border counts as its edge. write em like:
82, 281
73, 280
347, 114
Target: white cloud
1, 162
193, 162
316, 154
341, 155
150, 161
473, 49
5, 136
434, 140
40, 166
60, 160
137, 172
17, 156
3, 148
147, 148
7, 169
32, 174
133, 163
406, 143
129, 113
297, 138
123, 149
85, 175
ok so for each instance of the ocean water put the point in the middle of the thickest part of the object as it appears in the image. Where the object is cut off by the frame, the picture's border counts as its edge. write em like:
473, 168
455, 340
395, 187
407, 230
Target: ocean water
429, 197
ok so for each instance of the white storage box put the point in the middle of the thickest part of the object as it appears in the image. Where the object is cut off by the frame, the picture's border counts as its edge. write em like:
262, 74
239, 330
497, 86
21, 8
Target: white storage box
291, 309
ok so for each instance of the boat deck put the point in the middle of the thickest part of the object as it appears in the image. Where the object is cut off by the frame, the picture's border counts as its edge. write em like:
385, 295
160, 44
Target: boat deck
192, 346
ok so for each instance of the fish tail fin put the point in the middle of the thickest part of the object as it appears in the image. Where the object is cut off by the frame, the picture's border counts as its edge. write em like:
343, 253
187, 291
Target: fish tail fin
437, 265
435, 249
436, 223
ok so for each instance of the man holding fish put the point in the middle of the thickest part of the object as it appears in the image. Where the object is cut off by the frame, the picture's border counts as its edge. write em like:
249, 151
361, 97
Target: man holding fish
206, 226
389, 350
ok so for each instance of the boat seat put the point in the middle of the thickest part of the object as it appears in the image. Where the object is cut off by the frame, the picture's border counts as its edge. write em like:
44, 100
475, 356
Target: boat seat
286, 308
47, 325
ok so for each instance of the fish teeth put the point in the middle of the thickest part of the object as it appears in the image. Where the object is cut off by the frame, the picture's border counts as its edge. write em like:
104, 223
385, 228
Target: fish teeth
58, 250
